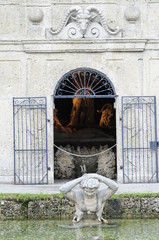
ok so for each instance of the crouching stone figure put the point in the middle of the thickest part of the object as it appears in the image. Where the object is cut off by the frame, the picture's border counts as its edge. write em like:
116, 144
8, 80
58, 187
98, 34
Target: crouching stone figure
89, 194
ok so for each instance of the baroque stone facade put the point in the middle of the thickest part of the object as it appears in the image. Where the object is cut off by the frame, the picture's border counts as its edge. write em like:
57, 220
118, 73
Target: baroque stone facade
118, 38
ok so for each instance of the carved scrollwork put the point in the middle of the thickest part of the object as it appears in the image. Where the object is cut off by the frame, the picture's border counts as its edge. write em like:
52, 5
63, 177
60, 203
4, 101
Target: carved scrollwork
72, 31
79, 23
103, 21
95, 32
66, 18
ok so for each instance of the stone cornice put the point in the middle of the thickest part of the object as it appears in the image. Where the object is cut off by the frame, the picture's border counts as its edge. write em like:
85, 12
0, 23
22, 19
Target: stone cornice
152, 44
84, 46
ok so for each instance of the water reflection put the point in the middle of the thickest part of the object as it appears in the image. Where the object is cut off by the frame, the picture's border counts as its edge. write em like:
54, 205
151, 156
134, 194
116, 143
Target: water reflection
49, 229
98, 233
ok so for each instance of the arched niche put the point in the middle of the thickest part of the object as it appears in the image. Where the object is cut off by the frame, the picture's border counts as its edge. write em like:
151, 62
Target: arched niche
84, 123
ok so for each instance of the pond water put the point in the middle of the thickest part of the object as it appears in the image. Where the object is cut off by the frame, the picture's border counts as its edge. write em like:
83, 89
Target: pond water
51, 229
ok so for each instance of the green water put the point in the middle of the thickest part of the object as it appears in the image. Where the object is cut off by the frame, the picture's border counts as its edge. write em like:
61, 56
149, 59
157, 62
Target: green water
49, 229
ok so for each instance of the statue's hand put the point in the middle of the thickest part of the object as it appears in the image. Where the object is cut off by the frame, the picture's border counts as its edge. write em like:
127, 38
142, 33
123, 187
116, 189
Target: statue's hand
84, 176
88, 175
93, 175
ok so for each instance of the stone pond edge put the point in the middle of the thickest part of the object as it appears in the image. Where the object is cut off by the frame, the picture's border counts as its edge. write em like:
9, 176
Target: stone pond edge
55, 206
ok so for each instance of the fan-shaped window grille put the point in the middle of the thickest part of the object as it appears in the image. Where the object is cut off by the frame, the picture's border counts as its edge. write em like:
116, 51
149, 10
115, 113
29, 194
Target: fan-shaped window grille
84, 82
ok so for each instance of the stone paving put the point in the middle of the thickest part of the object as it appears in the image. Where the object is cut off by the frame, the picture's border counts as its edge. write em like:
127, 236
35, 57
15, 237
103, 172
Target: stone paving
54, 188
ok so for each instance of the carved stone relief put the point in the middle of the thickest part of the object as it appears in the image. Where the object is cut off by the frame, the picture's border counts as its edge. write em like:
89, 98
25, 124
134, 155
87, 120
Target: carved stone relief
132, 13
35, 16
132, 27
79, 23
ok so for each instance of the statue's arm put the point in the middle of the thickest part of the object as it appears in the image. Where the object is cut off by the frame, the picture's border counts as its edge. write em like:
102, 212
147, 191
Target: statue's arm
67, 187
110, 183
112, 187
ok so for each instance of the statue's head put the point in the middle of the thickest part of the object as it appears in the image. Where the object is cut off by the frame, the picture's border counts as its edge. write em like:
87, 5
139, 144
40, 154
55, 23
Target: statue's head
89, 186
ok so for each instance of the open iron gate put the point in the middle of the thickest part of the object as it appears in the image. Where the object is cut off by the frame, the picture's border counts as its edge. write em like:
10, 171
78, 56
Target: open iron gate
139, 140
30, 140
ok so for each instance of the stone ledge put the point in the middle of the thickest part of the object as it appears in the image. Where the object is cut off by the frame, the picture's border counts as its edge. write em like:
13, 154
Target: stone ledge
69, 46
84, 46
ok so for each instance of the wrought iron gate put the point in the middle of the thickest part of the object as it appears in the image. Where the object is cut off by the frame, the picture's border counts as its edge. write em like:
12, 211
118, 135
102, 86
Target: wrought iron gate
139, 139
30, 140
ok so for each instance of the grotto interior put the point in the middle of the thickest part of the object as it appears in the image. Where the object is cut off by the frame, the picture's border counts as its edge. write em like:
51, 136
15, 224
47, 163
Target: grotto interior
84, 126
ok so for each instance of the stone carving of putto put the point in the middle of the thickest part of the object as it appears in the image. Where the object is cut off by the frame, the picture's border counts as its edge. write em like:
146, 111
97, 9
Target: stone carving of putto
79, 23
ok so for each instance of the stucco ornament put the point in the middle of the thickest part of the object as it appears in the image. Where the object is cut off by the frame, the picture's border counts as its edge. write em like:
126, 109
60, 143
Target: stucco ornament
35, 16
79, 23
132, 13
89, 194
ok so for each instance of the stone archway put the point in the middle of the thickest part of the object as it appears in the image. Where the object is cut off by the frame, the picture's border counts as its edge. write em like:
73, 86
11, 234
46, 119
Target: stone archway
84, 122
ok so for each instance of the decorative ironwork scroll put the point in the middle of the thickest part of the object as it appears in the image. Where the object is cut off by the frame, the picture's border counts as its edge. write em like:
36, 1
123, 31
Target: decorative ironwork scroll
84, 82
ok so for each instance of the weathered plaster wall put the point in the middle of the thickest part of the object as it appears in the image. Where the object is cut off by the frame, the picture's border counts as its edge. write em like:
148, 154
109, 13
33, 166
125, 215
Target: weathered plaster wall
31, 64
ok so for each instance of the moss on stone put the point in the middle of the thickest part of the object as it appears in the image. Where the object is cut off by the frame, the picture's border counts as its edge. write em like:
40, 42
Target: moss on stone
28, 197
138, 195
32, 197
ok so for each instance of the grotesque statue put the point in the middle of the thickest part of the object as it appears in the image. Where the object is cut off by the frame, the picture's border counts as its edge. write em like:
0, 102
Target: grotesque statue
89, 194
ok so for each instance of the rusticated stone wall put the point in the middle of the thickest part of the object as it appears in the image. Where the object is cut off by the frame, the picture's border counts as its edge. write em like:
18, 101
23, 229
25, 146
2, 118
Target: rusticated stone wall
132, 207
56, 207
